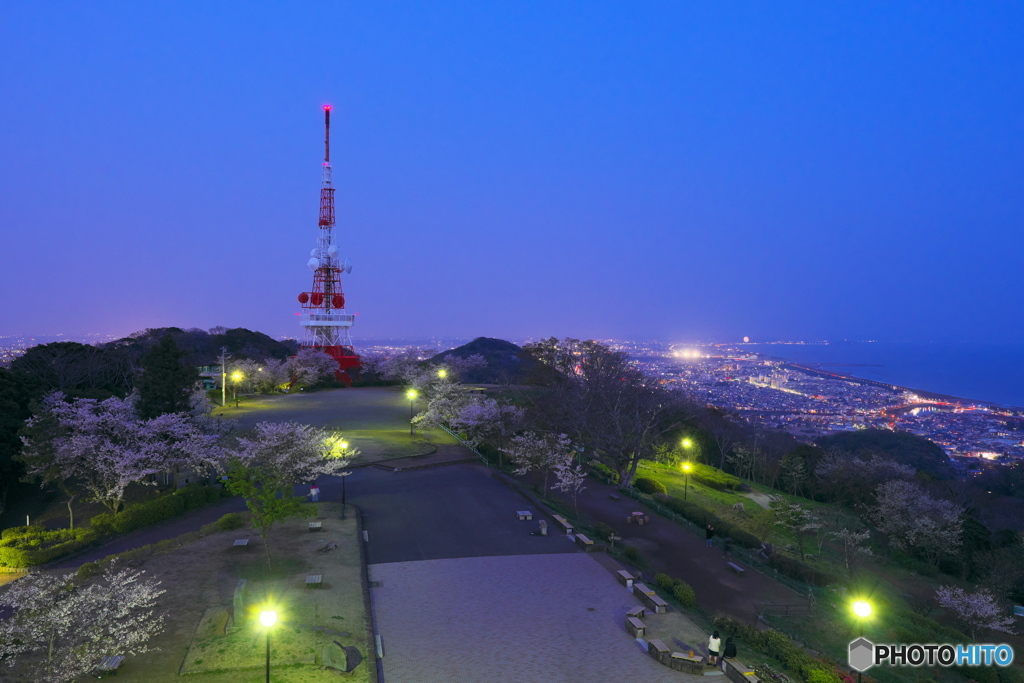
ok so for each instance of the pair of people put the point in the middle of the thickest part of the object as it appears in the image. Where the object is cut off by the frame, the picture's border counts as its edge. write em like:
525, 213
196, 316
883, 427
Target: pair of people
715, 648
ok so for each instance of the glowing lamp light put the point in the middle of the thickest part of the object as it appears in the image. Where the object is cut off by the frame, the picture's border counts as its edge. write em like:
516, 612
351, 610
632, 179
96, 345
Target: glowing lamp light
687, 443
442, 373
686, 467
327, 107
343, 444
237, 376
862, 609
268, 618
411, 394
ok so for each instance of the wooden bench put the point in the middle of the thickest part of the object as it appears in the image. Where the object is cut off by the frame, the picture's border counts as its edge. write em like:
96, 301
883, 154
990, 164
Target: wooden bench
524, 515
612, 496
314, 581
241, 543
658, 650
653, 602
315, 526
565, 524
642, 588
108, 666
635, 627
686, 663
638, 612
625, 578
585, 543
736, 568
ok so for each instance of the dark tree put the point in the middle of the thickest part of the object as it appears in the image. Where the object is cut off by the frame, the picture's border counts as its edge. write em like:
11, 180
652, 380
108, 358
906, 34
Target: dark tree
166, 384
15, 393
78, 370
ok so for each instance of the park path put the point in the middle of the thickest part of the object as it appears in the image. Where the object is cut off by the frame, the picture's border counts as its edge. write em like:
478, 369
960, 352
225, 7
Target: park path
680, 552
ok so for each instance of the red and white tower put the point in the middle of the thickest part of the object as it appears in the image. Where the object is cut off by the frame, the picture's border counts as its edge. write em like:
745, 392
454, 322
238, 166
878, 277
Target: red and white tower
325, 319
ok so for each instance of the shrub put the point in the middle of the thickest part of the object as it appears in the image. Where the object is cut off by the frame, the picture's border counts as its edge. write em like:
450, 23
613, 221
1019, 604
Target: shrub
88, 570
631, 554
19, 531
683, 592
795, 569
664, 581
648, 485
231, 520
42, 546
602, 471
603, 531
155, 510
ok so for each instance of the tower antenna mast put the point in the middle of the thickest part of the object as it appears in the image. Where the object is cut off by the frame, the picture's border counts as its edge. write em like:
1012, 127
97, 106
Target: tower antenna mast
325, 321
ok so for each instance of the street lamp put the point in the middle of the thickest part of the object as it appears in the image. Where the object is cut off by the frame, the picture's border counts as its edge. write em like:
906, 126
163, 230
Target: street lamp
862, 609
442, 373
411, 395
686, 481
268, 618
237, 377
344, 475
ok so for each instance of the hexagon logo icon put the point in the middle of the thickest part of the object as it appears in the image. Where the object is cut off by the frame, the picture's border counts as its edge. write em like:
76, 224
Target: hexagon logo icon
862, 654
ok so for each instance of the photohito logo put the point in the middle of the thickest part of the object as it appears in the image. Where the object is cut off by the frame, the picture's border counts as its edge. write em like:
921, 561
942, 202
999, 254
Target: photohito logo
864, 654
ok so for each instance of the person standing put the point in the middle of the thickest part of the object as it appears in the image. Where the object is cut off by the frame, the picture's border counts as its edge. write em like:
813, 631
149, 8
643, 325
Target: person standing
714, 647
314, 493
709, 534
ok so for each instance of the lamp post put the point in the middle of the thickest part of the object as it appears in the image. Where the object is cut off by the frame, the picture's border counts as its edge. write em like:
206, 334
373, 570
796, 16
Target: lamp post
862, 609
411, 395
268, 618
686, 480
344, 475
442, 373
237, 377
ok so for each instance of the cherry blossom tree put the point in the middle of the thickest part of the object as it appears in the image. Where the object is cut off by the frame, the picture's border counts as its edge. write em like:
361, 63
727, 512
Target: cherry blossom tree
311, 365
853, 543
446, 398
106, 447
484, 419
535, 451
61, 627
975, 611
797, 519
914, 520
295, 453
571, 479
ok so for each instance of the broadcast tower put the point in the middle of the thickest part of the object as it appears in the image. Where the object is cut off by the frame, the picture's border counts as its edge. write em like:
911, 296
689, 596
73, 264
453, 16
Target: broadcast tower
325, 319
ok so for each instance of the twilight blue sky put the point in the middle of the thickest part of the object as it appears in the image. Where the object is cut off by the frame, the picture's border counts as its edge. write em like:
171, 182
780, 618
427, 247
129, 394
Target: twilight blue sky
677, 170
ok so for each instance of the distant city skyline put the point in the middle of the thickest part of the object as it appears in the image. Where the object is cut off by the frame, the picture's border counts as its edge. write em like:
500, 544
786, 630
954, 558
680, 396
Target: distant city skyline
600, 170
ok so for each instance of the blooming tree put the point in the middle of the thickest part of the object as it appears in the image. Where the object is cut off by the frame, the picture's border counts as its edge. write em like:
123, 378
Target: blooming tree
105, 446
914, 520
975, 611
62, 627
534, 451
295, 452
797, 519
853, 542
485, 419
310, 366
571, 479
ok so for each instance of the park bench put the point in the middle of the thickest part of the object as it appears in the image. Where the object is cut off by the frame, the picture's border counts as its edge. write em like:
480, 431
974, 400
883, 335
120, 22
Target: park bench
658, 650
524, 515
736, 568
327, 548
108, 666
625, 578
635, 627
642, 588
315, 526
314, 581
653, 602
638, 612
687, 664
585, 543
241, 543
565, 523
612, 496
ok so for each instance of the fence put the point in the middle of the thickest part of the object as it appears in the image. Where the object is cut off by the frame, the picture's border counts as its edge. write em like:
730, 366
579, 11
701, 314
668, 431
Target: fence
467, 445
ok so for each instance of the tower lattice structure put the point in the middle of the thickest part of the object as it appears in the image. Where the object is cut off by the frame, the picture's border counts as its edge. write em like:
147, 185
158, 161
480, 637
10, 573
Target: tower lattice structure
324, 319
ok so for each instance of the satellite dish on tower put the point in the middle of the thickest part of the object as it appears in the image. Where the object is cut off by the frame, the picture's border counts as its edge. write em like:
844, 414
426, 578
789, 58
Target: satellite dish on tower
347, 267
332, 251
313, 263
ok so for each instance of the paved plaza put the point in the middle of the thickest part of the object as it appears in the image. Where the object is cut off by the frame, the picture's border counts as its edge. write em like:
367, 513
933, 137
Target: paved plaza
545, 618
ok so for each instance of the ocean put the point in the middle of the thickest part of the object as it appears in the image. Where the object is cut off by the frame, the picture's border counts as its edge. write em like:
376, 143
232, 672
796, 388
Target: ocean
992, 373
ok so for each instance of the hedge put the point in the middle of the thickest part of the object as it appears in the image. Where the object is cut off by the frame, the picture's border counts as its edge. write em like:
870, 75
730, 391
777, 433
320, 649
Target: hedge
602, 471
701, 516
648, 485
156, 510
39, 546
680, 590
780, 647
795, 569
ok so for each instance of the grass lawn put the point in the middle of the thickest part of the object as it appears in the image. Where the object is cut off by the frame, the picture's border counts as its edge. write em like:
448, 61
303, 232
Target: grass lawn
200, 579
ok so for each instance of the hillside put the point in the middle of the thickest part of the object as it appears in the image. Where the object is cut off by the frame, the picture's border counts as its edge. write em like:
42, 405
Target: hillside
504, 366
903, 447
203, 348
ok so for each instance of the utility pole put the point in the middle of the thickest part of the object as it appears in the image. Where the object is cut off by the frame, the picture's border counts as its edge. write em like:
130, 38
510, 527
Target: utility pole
223, 376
